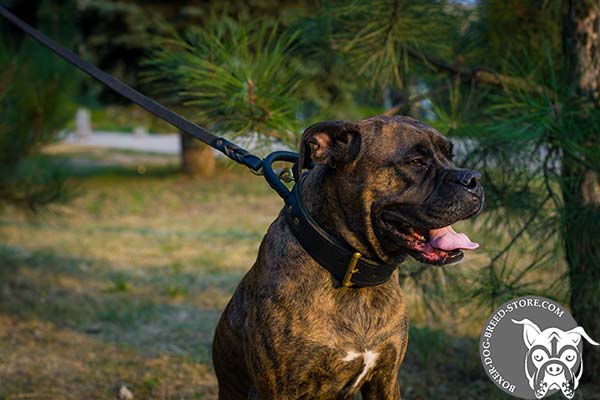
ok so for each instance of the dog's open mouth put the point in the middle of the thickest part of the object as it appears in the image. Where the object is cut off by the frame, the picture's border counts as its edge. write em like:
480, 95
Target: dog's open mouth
440, 246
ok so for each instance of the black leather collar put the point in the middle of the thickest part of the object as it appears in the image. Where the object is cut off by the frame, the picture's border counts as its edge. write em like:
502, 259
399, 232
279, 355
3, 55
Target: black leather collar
348, 266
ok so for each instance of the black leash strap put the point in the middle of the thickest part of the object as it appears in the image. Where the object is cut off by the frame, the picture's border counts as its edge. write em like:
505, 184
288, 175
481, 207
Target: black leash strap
231, 150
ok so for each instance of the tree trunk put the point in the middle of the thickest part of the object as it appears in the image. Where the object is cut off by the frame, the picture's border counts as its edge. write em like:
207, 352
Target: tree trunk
581, 232
197, 158
580, 184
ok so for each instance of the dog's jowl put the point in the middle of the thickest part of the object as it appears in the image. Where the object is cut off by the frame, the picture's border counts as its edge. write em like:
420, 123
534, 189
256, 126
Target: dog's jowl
385, 187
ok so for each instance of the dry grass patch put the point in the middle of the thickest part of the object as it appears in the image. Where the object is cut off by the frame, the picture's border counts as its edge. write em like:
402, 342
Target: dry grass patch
39, 360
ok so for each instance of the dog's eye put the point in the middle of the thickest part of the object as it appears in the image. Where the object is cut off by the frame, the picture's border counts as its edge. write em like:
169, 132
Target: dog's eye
538, 357
570, 357
417, 162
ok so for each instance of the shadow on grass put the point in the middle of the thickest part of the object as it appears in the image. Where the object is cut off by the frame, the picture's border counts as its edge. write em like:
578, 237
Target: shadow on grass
152, 311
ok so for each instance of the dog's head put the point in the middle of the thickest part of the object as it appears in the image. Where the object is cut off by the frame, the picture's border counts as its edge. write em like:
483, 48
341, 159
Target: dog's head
397, 185
553, 360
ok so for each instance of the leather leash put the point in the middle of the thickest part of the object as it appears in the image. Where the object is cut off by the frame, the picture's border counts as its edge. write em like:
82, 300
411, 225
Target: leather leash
349, 267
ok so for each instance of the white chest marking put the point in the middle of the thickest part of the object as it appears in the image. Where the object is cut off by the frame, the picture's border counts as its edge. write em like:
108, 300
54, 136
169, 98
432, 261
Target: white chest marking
351, 356
369, 359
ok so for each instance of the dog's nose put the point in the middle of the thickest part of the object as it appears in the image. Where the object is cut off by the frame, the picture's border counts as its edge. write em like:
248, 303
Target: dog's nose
554, 369
469, 179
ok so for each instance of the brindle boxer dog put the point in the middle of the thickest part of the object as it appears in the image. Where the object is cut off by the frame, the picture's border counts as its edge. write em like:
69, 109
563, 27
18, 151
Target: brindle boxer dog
387, 187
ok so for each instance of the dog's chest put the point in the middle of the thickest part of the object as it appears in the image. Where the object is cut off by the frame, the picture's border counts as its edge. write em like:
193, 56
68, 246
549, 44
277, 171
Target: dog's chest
357, 334
365, 315
359, 325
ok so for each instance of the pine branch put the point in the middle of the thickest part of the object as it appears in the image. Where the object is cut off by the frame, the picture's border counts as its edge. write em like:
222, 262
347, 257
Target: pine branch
396, 108
479, 74
520, 232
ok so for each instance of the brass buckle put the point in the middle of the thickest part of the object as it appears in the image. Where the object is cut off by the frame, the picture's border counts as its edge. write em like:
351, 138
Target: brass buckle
351, 270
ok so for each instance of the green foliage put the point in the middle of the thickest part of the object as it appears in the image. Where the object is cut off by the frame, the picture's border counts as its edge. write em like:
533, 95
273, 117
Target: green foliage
36, 92
331, 88
33, 99
239, 75
532, 26
380, 36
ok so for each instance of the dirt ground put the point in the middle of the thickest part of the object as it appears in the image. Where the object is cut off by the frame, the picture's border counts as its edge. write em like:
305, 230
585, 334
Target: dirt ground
123, 286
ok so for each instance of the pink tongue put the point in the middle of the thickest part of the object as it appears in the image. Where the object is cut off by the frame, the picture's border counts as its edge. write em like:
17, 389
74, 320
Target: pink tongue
447, 239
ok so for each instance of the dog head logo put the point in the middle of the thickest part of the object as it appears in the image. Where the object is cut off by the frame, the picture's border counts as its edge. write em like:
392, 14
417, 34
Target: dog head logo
553, 360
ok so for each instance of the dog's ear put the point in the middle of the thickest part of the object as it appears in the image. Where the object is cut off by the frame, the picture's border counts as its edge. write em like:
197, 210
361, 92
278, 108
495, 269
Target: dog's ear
576, 333
329, 143
530, 331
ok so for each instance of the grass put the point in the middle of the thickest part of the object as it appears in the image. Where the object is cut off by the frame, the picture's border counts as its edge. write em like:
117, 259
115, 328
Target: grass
125, 284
